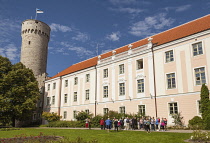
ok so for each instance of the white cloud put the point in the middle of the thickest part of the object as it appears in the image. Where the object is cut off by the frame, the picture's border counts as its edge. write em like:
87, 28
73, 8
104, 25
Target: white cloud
115, 36
80, 51
81, 37
183, 8
128, 10
9, 51
57, 27
150, 25
122, 1
179, 8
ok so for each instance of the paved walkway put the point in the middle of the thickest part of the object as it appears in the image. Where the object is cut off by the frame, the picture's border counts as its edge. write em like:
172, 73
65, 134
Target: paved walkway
170, 130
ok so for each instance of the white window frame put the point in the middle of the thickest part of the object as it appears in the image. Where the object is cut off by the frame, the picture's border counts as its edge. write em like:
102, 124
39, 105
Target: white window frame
87, 111
138, 91
195, 75
169, 110
105, 111
105, 91
87, 94
75, 80
48, 101
48, 87
74, 114
168, 61
53, 100
121, 89
122, 109
121, 69
105, 73
167, 87
66, 83
138, 64
64, 114
75, 96
142, 110
65, 98
87, 78
197, 48
198, 107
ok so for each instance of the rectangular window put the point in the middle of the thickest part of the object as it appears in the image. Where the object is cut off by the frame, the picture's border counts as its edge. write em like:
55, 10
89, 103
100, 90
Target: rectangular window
171, 82
197, 49
65, 98
121, 69
106, 91
122, 110
48, 100
87, 77
64, 114
66, 83
142, 110
122, 88
87, 111
140, 86
87, 94
169, 56
173, 108
200, 77
75, 80
53, 100
75, 96
105, 73
74, 114
54, 85
106, 111
139, 64
48, 87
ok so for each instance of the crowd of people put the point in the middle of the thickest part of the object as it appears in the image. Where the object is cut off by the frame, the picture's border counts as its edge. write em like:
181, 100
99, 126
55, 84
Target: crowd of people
147, 123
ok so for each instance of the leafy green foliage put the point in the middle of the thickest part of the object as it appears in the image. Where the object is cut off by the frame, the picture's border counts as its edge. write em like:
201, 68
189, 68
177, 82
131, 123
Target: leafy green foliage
82, 115
177, 119
196, 123
200, 136
51, 117
19, 91
204, 101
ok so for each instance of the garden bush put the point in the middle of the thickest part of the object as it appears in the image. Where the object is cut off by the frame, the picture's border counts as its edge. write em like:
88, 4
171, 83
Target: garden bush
196, 123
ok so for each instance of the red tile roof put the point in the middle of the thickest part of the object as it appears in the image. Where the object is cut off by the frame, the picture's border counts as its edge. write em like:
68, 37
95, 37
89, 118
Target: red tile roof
179, 32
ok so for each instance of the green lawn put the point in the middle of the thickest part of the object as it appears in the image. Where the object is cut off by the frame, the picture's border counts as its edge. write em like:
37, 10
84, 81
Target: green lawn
103, 136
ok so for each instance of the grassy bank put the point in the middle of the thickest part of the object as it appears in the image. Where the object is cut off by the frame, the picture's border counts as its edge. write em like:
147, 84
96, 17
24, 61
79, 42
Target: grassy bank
103, 136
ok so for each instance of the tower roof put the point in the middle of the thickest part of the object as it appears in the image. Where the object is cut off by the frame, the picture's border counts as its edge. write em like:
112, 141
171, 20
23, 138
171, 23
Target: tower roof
170, 35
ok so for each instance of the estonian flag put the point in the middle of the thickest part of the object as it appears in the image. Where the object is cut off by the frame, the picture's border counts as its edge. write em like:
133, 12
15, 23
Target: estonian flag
39, 11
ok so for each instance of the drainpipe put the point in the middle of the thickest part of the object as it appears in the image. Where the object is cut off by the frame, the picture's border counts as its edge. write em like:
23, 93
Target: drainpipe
154, 80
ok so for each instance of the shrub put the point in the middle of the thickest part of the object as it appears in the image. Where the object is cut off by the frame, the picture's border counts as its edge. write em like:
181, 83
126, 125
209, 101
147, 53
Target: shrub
50, 117
196, 123
177, 119
200, 136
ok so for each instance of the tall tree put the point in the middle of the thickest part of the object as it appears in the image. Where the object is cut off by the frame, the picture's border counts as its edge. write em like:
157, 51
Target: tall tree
19, 93
205, 106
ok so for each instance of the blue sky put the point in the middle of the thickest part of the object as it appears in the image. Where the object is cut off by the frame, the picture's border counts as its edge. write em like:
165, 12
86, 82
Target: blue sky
79, 26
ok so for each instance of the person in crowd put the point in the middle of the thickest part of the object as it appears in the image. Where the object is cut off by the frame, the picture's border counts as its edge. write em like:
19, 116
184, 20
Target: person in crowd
144, 123
141, 123
116, 125
147, 125
102, 123
162, 124
127, 124
121, 123
108, 124
134, 123
165, 122
153, 123
124, 121
157, 122
87, 123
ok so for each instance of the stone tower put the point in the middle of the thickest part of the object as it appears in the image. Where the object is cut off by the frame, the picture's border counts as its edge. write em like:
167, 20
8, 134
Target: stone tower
35, 37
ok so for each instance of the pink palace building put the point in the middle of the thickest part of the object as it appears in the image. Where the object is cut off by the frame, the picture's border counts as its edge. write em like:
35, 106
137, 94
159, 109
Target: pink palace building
155, 76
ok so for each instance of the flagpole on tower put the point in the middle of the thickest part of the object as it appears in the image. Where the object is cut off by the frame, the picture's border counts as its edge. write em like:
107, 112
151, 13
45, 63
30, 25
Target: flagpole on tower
38, 11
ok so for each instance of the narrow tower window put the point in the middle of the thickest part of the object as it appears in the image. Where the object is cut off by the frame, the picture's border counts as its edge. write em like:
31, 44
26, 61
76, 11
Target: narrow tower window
29, 42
